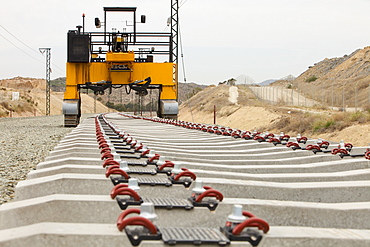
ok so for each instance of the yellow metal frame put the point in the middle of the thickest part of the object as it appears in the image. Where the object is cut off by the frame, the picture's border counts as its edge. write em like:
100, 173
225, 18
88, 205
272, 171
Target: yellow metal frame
120, 56
160, 73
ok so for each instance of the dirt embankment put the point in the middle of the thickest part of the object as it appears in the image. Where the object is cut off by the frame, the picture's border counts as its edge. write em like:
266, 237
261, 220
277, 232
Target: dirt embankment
32, 99
249, 114
339, 82
234, 108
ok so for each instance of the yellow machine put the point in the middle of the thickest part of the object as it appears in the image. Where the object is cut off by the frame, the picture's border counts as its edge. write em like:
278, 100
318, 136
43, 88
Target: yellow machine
106, 60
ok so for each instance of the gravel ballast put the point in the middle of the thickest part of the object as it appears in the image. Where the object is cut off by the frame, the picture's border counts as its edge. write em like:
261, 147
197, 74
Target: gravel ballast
25, 142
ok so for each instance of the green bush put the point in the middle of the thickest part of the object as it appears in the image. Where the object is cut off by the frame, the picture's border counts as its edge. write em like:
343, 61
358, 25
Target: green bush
329, 123
311, 78
318, 125
360, 117
322, 125
355, 116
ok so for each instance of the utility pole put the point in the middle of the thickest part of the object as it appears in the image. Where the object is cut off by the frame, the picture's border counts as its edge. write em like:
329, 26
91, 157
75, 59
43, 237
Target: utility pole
47, 79
174, 56
174, 31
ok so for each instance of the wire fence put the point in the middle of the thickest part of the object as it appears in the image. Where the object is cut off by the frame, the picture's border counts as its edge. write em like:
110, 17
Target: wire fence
335, 96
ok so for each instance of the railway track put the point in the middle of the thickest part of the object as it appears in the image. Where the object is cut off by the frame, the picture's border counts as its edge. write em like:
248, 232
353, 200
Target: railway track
208, 185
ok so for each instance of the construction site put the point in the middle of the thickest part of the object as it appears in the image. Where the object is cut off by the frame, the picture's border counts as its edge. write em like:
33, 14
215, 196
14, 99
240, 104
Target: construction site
122, 151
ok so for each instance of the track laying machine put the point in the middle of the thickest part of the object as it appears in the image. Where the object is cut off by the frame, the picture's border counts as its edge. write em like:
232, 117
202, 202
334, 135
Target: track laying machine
102, 61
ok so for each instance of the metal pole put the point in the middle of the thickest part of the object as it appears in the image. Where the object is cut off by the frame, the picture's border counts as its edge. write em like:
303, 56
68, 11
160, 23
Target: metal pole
261, 93
174, 31
83, 23
298, 95
174, 51
282, 95
292, 97
270, 98
266, 96
305, 100
286, 95
47, 79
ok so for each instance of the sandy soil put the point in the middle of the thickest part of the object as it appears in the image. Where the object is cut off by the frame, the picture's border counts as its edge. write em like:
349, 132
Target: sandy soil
258, 118
243, 117
35, 89
358, 135
261, 119
56, 102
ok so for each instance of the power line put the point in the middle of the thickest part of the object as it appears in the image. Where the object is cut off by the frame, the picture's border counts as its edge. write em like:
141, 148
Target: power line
21, 49
183, 71
60, 69
182, 3
169, 18
18, 39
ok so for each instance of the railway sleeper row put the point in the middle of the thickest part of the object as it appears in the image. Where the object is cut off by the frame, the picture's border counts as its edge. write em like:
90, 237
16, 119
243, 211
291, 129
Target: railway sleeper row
124, 180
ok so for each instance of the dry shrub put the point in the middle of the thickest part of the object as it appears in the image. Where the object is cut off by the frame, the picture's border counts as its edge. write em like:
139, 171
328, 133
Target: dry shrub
320, 107
23, 107
366, 108
362, 86
18, 106
6, 105
359, 117
340, 116
296, 122
312, 123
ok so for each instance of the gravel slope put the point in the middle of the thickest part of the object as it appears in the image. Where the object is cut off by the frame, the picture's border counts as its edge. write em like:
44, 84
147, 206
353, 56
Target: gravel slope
25, 142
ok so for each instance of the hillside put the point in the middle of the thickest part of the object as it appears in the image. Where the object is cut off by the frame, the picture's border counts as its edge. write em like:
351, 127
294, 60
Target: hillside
337, 82
249, 114
236, 107
32, 99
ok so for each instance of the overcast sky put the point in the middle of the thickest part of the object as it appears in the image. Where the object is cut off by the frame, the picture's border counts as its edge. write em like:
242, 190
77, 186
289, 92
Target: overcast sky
264, 39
